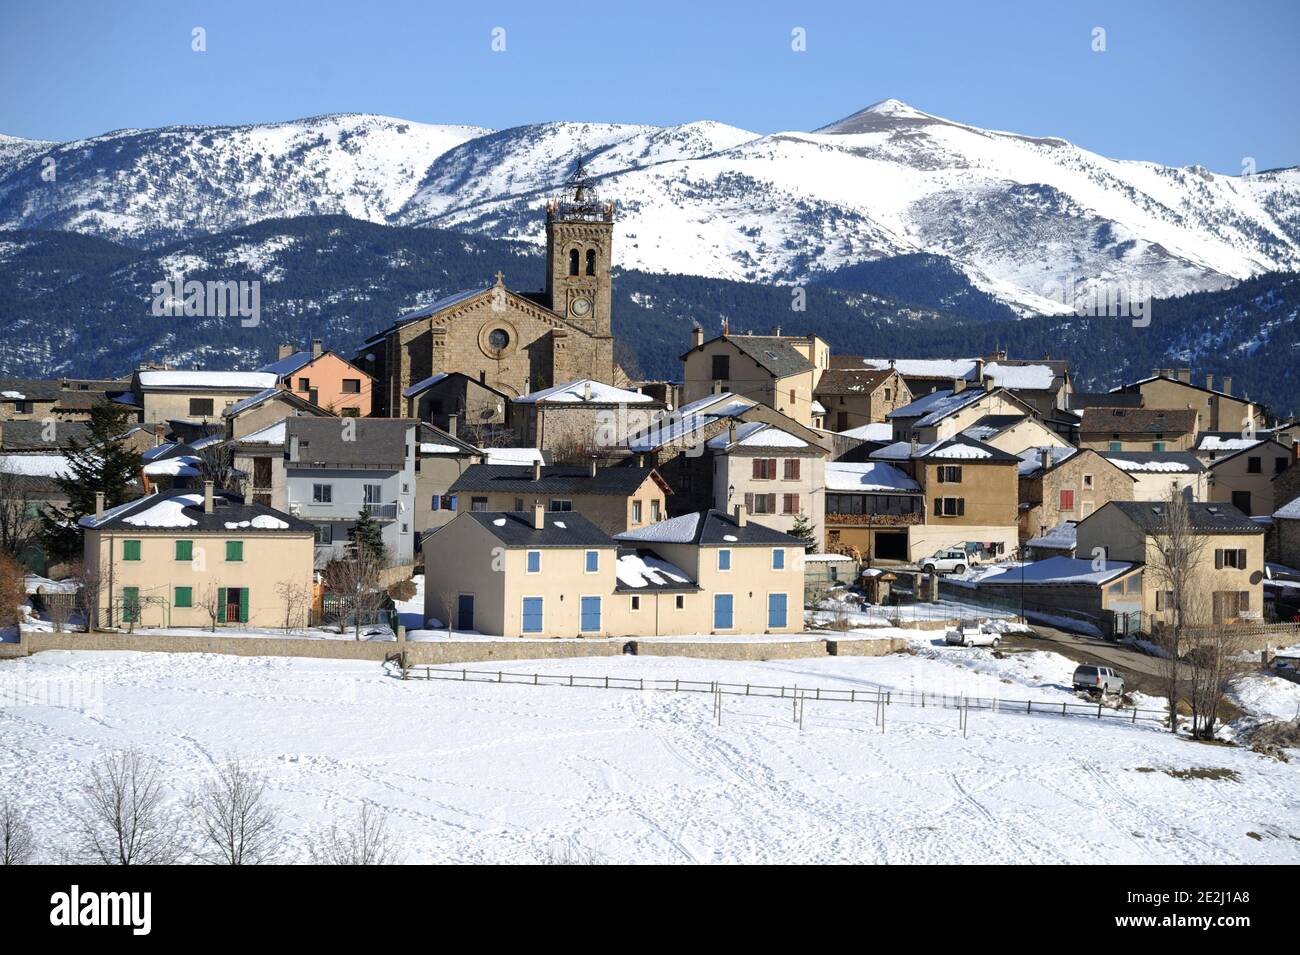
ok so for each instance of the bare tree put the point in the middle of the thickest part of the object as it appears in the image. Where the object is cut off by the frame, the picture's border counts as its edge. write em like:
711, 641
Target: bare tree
210, 601
356, 578
17, 528
236, 825
89, 598
296, 600
17, 845
125, 818
1174, 566
217, 464
59, 608
1213, 662
366, 841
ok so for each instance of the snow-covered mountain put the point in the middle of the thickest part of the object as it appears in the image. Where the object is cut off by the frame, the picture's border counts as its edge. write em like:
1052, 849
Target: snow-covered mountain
1019, 215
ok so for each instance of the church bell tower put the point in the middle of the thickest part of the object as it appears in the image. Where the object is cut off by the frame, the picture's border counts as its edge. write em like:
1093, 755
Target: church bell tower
579, 254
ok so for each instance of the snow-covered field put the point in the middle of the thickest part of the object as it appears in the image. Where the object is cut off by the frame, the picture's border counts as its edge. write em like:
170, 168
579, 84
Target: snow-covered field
476, 772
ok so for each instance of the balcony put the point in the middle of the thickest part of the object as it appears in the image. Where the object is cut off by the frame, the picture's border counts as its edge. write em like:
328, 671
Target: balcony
874, 520
384, 512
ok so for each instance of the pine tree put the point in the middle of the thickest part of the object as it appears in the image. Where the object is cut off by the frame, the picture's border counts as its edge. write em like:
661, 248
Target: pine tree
368, 536
804, 530
100, 463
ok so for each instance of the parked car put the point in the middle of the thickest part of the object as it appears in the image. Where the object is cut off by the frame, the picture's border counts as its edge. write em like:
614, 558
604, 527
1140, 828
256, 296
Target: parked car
1098, 681
981, 635
953, 560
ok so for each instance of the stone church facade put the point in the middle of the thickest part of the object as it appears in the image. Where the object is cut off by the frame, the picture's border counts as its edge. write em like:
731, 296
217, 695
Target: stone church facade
516, 343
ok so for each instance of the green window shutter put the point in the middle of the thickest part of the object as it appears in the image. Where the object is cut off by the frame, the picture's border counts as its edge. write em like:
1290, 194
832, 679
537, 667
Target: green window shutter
131, 602
130, 550
221, 605
184, 597
234, 550
185, 550
243, 605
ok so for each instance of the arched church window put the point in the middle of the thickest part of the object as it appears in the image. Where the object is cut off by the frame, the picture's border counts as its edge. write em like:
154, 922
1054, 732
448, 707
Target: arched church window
591, 261
573, 261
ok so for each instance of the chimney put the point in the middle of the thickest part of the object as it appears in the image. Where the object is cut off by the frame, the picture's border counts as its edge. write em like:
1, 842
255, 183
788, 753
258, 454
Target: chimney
916, 444
1209, 382
537, 470
958, 385
207, 497
591, 469
1225, 384
776, 331
286, 349
740, 515
731, 434
697, 336
99, 504
315, 347
1045, 458
451, 424
539, 516
586, 391
979, 371
640, 460
1185, 375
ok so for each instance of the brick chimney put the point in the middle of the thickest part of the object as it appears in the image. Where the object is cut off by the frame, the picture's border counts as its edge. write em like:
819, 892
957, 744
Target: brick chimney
1225, 384
697, 336
539, 516
285, 350
315, 347
99, 504
740, 515
1209, 382
207, 497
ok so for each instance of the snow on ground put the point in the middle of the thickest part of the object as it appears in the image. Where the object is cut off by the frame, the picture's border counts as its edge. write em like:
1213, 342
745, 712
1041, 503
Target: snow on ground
481, 772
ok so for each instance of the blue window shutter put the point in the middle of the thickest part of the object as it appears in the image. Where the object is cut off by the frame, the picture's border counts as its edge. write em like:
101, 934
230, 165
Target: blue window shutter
590, 614
778, 558
451, 503
436, 502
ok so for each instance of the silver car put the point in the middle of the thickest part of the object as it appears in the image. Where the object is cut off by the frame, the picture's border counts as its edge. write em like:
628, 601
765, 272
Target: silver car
1097, 680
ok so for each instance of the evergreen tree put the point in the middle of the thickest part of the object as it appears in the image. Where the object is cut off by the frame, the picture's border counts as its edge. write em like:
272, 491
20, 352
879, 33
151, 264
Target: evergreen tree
368, 536
804, 530
100, 463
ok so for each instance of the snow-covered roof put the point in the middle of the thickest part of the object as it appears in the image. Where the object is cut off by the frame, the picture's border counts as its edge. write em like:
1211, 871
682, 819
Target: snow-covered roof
1023, 377
423, 383
876, 431
221, 380
274, 434
184, 465
641, 570
757, 434
817, 408
1057, 570
34, 465
925, 367
1146, 465
872, 477
1031, 459
1211, 441
252, 401
826, 558
584, 390
429, 447
688, 419
674, 530
513, 456
934, 407
1290, 512
1064, 536
289, 364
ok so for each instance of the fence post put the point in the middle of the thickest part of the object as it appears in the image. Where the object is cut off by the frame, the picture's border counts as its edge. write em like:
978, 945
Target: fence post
1135, 714
1098, 711
1029, 706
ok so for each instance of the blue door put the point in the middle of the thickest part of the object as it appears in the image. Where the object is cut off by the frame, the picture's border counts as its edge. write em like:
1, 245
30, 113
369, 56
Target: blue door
465, 612
776, 616
722, 616
590, 614
532, 615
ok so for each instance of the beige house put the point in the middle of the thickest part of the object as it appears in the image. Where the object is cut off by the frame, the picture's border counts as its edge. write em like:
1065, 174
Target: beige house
1066, 484
440, 459
194, 395
781, 372
615, 499
541, 573
1219, 409
1157, 474
774, 473
853, 396
266, 408
1244, 478
182, 560
1230, 560
1139, 429
1015, 434
948, 412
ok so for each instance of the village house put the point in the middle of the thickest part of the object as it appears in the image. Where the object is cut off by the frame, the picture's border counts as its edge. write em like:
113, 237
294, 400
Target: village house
27, 399
196, 560
852, 397
1229, 558
1044, 385
1015, 433
615, 499
198, 396
947, 412
266, 408
781, 372
1066, 484
1218, 409
581, 417
1286, 534
1244, 478
540, 573
1139, 429
776, 474
455, 402
1157, 474
440, 459
324, 379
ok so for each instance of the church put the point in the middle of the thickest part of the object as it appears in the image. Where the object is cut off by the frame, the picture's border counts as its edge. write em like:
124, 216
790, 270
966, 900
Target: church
515, 342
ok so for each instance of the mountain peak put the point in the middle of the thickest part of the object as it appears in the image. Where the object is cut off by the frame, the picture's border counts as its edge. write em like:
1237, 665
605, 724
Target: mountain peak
878, 115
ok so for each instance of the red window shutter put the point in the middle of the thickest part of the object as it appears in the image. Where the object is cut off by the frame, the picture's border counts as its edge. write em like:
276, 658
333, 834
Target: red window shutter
771, 468
771, 504
1067, 500
749, 501
758, 468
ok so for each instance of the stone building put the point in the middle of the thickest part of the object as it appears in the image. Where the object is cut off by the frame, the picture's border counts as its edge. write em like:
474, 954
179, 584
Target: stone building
515, 342
1066, 484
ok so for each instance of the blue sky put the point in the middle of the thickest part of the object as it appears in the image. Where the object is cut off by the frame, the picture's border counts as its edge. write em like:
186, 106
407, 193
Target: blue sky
1179, 83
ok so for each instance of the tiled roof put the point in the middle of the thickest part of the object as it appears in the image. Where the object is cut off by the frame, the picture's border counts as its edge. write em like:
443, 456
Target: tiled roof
344, 442
560, 529
708, 528
30, 435
776, 355
1138, 420
1208, 518
620, 480
851, 381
